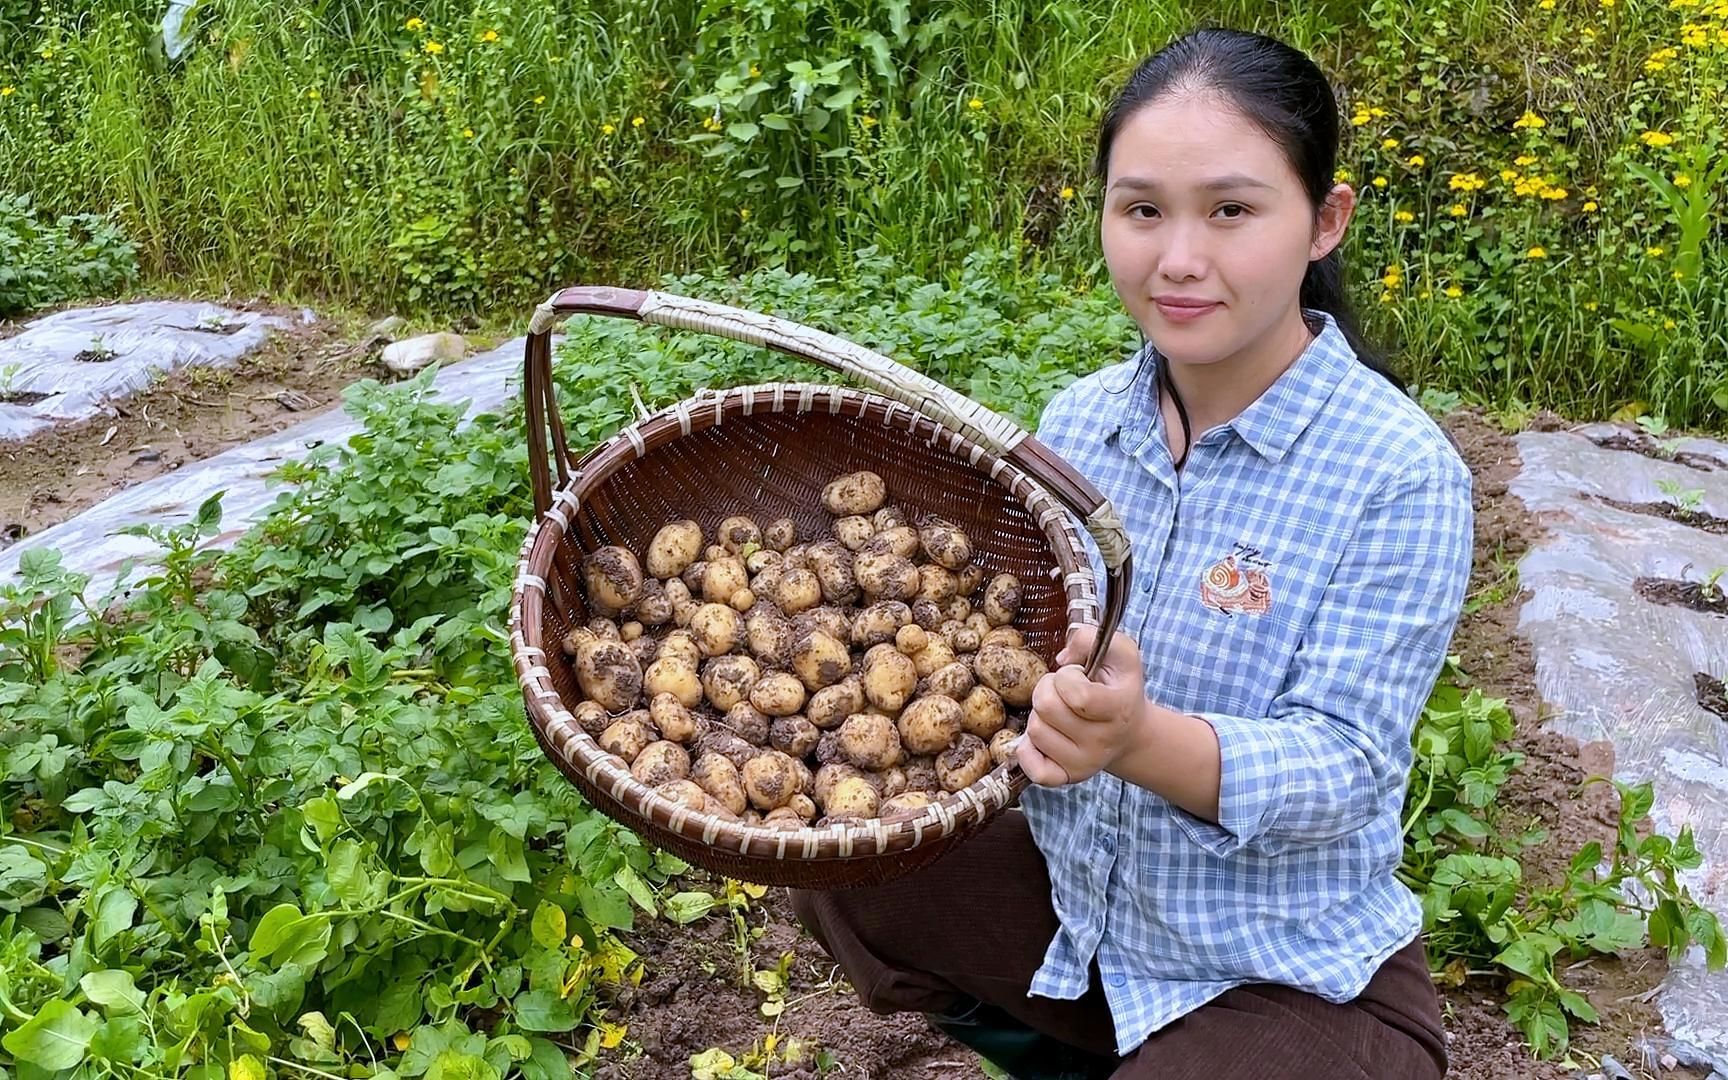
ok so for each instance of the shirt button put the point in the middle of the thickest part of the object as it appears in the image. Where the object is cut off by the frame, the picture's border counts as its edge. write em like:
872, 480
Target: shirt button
1117, 980
1108, 843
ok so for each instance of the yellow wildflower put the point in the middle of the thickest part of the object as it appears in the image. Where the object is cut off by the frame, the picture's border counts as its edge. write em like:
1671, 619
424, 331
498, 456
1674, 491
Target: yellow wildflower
870, 121
1590, 207
1359, 117
1554, 194
489, 36
1606, 3
46, 54
1403, 217
1667, 324
1678, 274
433, 48
1654, 252
1466, 182
1341, 176
1457, 210
415, 23
1546, 5
1066, 193
607, 129
1377, 112
540, 99
637, 121
744, 213
1385, 298
1523, 160
1591, 305
401, 1040
1454, 291
755, 71
1589, 33
1417, 161
1681, 180
1388, 144
1508, 175
975, 104
1657, 138
467, 133
7, 91
1537, 252
314, 94
1529, 120
1380, 181
1393, 278
708, 124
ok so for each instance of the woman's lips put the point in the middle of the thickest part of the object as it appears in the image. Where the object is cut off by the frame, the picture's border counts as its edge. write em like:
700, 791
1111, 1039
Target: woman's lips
1184, 312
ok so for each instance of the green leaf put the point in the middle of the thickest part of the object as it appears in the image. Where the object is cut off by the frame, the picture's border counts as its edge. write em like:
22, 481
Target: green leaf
549, 924
686, 907
1576, 1004
114, 912
636, 889
544, 1010
1463, 824
55, 1038
285, 936
743, 131
113, 990
346, 872
1531, 956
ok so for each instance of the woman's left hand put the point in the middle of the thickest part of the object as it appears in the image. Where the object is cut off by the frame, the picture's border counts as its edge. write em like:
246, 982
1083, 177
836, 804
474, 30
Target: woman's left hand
1079, 727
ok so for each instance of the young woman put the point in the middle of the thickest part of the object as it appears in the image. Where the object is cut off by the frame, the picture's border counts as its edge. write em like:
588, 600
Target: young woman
1201, 883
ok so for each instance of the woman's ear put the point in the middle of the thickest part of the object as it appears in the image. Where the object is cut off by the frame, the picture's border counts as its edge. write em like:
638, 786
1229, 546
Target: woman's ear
1333, 219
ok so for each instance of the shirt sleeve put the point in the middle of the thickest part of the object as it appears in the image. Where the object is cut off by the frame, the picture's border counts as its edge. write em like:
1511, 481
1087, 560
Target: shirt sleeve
1335, 751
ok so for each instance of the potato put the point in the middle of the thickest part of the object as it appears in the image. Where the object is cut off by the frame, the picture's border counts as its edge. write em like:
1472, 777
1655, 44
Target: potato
683, 612
722, 740
728, 680
748, 723
605, 629
855, 493
626, 737
797, 590
937, 583
1012, 673
738, 532
592, 717
854, 531
778, 694
852, 797
661, 763
630, 631
797, 557
832, 564
945, 545
612, 579
576, 638
750, 817
928, 615
929, 724
742, 600
830, 706
978, 623
725, 576
1002, 746
969, 579
676, 591
763, 559
693, 575
888, 517
935, 656
964, 639
828, 748
674, 548
981, 712
720, 779
766, 585
911, 640
963, 764
674, 719
794, 735
886, 577
888, 782
890, 677
676, 676
768, 636
681, 643
717, 629
953, 680
830, 620
907, 804
921, 774
957, 608
770, 780
802, 805
819, 660
685, 793
608, 673
646, 650
829, 775
870, 742
1002, 599
714, 552
780, 534
901, 540
879, 622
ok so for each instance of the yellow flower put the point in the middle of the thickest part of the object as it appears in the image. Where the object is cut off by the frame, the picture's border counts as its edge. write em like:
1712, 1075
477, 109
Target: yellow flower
975, 104
1466, 182
1341, 176
314, 94
1546, 5
1393, 278
415, 23
1379, 181
1385, 298
1554, 194
1523, 160
1426, 294
1403, 217
1508, 175
708, 124
1606, 3
1590, 207
433, 48
870, 121
1417, 161
467, 133
1657, 138
755, 71
1654, 252
637, 121
1457, 210
744, 213
1667, 324
1454, 291
1681, 180
7, 91
1388, 144
46, 54
1536, 253
489, 36
401, 1040
1066, 193
540, 99
1529, 120
607, 129
1589, 33
1359, 117
1678, 274
1377, 112
1591, 305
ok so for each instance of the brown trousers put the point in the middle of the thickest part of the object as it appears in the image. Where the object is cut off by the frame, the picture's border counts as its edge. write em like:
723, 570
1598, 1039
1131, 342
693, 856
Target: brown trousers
976, 923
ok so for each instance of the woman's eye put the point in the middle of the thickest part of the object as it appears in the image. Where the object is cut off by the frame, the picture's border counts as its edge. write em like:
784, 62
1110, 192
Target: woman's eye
1134, 211
1233, 206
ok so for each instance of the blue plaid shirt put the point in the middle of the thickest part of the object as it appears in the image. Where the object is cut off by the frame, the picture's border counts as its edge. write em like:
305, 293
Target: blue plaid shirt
1296, 585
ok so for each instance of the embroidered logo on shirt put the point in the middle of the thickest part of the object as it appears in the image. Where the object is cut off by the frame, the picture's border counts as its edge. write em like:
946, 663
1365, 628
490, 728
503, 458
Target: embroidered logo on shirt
1237, 584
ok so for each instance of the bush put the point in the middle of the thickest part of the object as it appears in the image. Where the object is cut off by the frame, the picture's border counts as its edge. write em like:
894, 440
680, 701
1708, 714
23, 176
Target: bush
44, 263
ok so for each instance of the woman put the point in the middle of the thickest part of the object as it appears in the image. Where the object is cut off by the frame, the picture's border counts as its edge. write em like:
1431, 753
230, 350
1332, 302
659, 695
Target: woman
1201, 883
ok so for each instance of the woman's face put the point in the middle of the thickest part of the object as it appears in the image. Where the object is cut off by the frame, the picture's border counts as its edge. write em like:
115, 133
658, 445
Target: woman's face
1202, 208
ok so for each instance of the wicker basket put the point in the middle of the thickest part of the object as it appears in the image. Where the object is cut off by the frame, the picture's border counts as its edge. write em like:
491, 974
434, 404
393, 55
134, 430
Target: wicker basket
767, 451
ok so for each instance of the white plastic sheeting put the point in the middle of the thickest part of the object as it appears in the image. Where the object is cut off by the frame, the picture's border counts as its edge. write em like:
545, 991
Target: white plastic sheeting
1617, 667
87, 542
123, 348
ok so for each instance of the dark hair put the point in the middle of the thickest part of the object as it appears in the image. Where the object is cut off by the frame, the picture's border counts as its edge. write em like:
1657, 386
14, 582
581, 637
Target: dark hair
1283, 93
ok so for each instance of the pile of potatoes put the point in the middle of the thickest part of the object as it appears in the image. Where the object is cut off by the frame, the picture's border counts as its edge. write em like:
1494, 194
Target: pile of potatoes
780, 680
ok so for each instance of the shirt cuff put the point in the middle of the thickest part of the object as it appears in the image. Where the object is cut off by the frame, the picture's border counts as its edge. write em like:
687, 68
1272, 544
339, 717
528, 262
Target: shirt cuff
1250, 776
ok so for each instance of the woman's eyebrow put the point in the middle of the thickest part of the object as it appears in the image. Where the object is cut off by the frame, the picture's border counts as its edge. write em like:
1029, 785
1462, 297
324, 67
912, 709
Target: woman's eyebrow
1216, 183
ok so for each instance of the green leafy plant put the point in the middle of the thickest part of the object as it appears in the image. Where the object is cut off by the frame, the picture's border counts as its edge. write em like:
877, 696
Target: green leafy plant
44, 262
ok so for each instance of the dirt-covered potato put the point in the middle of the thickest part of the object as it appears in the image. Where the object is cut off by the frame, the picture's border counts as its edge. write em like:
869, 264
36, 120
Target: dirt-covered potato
676, 591
802, 805
770, 779
778, 694
674, 548
630, 631
762, 559
879, 622
768, 636
981, 712
716, 775
797, 590
612, 579
1012, 673
1002, 599
722, 740
907, 804
780, 534
647, 650
829, 620
963, 764
793, 735
661, 763
592, 717
978, 623
725, 576
627, 737
685, 793
717, 629
855, 493
870, 742
736, 532
945, 544
951, 681
693, 575
820, 660
674, 719
766, 585
937, 583
681, 643
728, 680
674, 675
921, 774
928, 615
890, 677
748, 723
742, 600
1002, 746
796, 557
929, 724
854, 531
829, 775
833, 567
886, 577
911, 639
957, 608
933, 657
714, 552
888, 517
828, 748
829, 707
888, 782
852, 797
608, 673
576, 638
901, 540
605, 629
964, 640
969, 579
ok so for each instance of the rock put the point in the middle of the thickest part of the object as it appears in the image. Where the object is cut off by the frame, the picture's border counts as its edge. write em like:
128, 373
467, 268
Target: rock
387, 327
407, 357
1668, 1062
1614, 1069
148, 455
295, 401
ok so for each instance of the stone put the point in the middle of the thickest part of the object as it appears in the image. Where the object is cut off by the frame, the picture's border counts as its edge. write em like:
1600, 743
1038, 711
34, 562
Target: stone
387, 327
407, 357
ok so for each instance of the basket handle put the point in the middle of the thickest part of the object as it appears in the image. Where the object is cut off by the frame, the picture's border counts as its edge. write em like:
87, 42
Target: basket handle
997, 433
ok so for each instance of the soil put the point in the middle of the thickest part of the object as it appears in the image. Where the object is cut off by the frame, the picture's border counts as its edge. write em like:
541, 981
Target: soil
193, 413
1697, 519
1644, 444
1712, 695
1711, 600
